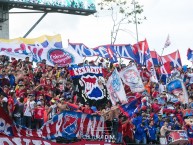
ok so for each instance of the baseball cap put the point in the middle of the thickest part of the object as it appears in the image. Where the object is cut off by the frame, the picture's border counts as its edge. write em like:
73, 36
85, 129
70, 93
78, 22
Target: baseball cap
53, 101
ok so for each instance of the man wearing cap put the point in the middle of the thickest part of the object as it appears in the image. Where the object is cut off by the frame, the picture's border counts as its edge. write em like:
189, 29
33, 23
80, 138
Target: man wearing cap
52, 109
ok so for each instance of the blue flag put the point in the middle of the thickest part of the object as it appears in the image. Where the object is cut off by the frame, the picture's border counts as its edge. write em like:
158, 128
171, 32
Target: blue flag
129, 108
190, 54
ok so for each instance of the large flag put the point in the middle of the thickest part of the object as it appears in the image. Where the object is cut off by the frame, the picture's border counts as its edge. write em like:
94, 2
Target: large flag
131, 77
156, 58
89, 83
168, 42
68, 124
129, 108
107, 51
125, 51
44, 47
144, 58
190, 54
116, 89
140, 49
82, 49
173, 58
20, 48
165, 68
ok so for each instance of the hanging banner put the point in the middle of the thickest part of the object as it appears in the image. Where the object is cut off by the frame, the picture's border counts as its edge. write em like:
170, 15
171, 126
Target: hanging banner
24, 141
110, 52
116, 89
89, 82
44, 47
176, 87
68, 125
4, 140
131, 77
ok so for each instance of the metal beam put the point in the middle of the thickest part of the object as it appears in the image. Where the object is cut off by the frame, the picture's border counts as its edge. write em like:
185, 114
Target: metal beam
24, 12
40, 19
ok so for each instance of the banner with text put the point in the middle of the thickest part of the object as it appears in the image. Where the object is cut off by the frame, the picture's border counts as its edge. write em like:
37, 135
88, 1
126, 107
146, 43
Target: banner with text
37, 49
68, 124
110, 52
89, 83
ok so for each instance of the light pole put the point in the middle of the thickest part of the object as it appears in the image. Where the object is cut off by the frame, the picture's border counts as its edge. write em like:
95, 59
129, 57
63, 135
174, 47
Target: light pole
136, 26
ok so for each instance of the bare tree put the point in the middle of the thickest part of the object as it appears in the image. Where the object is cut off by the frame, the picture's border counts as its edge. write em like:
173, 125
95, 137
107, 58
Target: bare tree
123, 12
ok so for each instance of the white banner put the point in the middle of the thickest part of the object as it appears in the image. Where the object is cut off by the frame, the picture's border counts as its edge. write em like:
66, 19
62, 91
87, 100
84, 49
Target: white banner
131, 77
45, 47
116, 89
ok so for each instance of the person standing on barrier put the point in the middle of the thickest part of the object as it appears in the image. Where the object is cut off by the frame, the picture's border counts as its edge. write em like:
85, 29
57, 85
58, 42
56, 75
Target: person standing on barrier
163, 130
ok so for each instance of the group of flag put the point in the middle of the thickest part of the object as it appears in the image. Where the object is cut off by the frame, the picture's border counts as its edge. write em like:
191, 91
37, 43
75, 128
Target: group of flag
139, 53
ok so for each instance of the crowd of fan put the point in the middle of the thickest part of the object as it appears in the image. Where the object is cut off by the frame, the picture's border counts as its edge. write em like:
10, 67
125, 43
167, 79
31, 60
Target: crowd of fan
32, 96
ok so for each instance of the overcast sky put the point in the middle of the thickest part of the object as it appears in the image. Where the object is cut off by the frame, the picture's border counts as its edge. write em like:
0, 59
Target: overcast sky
173, 17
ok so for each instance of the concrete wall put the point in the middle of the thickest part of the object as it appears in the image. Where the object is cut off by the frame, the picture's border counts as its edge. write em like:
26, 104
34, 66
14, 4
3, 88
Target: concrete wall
4, 26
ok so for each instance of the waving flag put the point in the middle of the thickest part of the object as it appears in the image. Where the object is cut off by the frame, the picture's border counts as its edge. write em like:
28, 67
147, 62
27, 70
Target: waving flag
129, 108
156, 58
82, 50
110, 52
140, 49
173, 58
125, 51
144, 57
116, 89
190, 54
86, 79
167, 43
165, 68
131, 77
107, 51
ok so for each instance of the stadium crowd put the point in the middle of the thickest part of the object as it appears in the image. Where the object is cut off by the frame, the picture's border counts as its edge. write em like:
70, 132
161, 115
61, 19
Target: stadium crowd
32, 96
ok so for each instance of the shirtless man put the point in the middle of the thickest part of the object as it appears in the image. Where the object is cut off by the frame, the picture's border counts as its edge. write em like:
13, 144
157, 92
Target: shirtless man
62, 106
163, 131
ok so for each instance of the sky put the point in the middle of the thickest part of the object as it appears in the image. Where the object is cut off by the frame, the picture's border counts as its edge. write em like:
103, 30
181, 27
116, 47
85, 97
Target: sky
173, 17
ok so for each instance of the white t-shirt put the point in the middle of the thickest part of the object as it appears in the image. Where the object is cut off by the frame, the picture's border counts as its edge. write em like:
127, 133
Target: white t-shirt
29, 108
53, 111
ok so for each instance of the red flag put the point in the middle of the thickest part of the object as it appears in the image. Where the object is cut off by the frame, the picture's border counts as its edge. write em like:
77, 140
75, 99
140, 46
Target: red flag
165, 68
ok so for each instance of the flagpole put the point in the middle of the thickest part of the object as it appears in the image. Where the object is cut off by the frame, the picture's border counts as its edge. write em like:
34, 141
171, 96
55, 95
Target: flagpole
162, 51
136, 26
